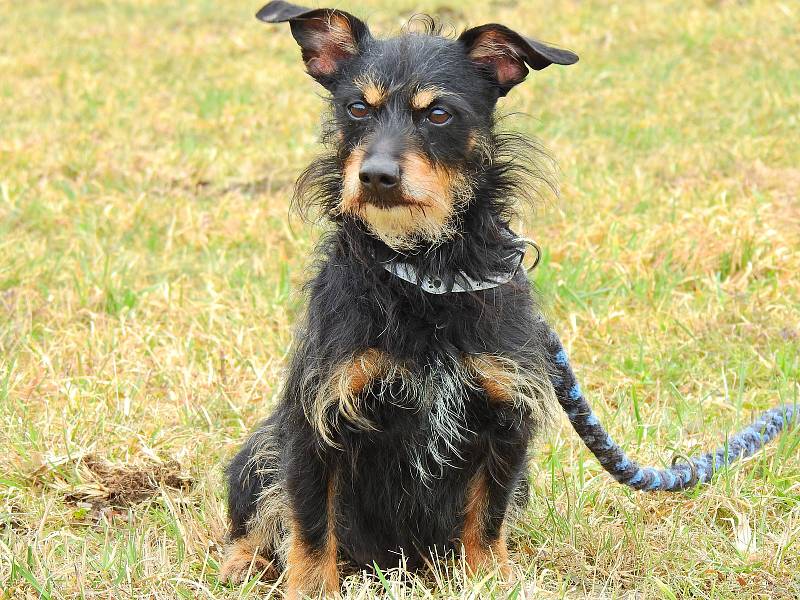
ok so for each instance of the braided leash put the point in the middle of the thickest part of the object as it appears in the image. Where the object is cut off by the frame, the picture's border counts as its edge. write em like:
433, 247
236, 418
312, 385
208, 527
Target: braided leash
679, 476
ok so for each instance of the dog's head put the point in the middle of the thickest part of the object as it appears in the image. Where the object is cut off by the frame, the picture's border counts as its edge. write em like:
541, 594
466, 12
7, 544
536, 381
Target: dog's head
413, 115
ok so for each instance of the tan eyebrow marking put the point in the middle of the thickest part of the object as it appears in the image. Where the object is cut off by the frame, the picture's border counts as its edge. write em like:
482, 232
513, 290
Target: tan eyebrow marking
374, 92
424, 97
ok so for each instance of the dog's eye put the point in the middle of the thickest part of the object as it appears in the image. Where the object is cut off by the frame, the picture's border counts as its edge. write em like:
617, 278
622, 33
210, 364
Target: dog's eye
439, 116
358, 110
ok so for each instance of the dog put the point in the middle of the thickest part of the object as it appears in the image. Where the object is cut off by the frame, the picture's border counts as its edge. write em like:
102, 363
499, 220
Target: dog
419, 376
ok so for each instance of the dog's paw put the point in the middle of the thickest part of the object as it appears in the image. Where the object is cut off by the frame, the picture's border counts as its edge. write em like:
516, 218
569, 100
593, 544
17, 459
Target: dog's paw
242, 562
503, 569
509, 573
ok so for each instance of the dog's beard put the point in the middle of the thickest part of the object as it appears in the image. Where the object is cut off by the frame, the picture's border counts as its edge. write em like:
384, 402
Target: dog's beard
424, 208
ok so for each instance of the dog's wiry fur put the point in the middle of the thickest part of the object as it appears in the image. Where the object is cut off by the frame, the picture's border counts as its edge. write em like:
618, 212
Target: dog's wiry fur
405, 422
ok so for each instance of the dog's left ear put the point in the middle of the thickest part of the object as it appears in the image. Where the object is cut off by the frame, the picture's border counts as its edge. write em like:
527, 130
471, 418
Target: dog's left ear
327, 37
503, 54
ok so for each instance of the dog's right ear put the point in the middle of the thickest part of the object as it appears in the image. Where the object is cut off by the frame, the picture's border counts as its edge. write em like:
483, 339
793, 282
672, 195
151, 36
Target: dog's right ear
327, 37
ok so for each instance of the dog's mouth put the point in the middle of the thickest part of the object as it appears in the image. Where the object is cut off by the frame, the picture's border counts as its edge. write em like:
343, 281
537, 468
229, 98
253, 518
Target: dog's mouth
387, 200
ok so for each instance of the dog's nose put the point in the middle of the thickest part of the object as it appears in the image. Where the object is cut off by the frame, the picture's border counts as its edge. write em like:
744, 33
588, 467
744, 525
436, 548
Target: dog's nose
379, 173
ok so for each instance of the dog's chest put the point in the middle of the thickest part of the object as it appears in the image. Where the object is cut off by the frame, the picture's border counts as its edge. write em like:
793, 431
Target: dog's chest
428, 419
404, 480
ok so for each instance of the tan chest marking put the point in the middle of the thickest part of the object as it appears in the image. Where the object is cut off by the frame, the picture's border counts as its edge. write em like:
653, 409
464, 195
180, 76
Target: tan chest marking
505, 381
343, 389
498, 377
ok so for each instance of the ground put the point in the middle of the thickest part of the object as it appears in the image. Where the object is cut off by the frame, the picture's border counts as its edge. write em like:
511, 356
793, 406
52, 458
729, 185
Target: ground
150, 276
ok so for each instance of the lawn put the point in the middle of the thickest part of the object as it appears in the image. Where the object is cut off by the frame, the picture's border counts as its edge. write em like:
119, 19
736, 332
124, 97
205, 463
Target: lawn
150, 277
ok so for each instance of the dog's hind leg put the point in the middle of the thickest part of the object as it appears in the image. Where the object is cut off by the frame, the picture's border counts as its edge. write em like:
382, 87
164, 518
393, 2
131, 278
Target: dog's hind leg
256, 508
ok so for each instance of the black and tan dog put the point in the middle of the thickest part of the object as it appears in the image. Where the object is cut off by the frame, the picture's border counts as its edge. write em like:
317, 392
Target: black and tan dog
418, 377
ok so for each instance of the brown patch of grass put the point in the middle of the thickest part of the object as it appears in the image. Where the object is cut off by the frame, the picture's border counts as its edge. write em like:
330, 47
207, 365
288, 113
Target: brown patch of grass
96, 481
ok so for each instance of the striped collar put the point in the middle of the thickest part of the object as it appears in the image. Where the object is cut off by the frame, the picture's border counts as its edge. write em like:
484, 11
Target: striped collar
459, 281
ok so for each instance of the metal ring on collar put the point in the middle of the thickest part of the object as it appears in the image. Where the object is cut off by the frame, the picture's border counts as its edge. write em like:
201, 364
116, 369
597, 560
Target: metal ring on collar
535, 246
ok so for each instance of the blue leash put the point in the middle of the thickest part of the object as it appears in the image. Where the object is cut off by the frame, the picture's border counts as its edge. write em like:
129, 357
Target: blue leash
679, 476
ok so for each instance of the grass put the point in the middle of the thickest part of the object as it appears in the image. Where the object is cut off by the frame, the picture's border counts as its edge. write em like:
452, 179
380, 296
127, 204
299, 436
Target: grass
150, 272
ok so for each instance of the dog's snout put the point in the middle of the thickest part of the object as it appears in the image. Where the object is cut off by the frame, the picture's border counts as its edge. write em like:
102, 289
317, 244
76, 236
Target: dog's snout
379, 173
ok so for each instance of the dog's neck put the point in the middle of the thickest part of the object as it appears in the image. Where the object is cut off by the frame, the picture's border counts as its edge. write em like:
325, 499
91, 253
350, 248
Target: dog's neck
450, 279
485, 254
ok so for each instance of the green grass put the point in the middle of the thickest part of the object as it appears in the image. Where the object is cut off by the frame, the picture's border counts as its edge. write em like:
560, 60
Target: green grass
149, 277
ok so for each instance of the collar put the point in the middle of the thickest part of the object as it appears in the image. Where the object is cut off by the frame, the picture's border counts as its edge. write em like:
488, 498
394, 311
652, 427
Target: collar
461, 282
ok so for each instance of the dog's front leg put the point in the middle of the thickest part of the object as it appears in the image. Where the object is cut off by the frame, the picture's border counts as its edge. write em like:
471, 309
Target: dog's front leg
483, 536
312, 558
516, 398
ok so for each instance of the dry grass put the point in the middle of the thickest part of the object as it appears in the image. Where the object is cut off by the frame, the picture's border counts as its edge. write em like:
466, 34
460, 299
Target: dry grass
149, 272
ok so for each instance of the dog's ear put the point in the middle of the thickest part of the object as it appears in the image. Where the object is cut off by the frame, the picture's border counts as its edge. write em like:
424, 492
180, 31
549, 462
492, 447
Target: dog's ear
503, 54
327, 37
